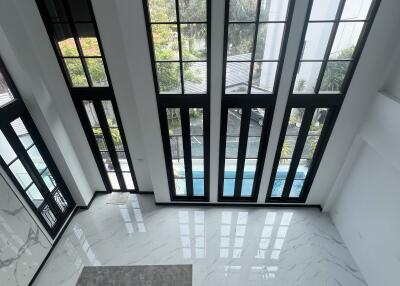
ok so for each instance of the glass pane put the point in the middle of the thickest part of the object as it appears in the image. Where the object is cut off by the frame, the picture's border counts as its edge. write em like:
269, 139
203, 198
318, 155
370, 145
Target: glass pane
176, 147
65, 40
240, 41
277, 188
283, 169
6, 151
80, 10
302, 169
180, 187
56, 10
295, 120
76, 73
233, 121
288, 147
112, 176
179, 168
101, 142
257, 118
49, 216
91, 113
49, 180
263, 77
22, 132
296, 188
109, 111
269, 40
230, 168
309, 147
242, 10
237, 77
249, 168
318, 121
316, 40
20, 174
273, 10
37, 159
356, 9
117, 140
169, 77
5, 93
253, 144
229, 187
163, 11
195, 77
198, 187
198, 168
97, 71
174, 121
128, 181
194, 41
307, 76
197, 146
88, 40
165, 42
123, 162
60, 200
247, 187
192, 10
107, 161
34, 195
324, 10
346, 39
196, 121
232, 147
333, 77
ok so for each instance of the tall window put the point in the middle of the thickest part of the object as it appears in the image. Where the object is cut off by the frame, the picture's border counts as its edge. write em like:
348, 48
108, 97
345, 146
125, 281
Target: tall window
331, 46
73, 31
179, 42
255, 41
26, 160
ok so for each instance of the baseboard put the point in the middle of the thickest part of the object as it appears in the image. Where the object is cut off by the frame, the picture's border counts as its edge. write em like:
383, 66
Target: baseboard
183, 204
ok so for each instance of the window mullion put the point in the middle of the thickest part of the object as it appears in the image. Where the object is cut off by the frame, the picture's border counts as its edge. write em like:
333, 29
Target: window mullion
329, 46
178, 27
301, 140
243, 138
254, 47
187, 150
78, 44
109, 142
25, 160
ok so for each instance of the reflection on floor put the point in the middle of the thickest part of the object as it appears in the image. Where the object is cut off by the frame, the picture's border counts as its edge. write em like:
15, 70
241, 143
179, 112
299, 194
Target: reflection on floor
227, 246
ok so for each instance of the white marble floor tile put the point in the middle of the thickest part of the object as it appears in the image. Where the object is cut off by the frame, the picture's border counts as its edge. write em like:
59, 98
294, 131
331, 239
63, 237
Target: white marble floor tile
226, 246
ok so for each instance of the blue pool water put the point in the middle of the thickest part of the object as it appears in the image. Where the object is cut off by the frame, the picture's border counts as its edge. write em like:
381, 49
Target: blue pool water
247, 184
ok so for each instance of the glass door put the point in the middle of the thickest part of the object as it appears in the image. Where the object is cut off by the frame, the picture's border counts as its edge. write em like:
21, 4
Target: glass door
243, 146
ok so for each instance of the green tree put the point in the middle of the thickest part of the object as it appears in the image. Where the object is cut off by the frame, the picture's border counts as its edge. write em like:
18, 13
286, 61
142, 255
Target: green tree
336, 71
166, 44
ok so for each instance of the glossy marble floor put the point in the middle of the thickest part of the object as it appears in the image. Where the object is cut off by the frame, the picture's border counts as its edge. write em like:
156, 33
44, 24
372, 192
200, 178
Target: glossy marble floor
227, 246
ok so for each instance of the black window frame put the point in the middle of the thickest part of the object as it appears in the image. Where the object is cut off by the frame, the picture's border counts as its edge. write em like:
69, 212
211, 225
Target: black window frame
250, 100
9, 112
91, 93
183, 101
311, 101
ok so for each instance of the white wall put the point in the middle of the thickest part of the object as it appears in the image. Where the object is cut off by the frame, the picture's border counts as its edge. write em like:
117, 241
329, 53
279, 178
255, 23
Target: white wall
26, 50
377, 56
366, 211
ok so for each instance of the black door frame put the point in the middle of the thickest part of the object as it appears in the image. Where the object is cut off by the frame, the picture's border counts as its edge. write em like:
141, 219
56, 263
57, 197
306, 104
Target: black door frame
8, 113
